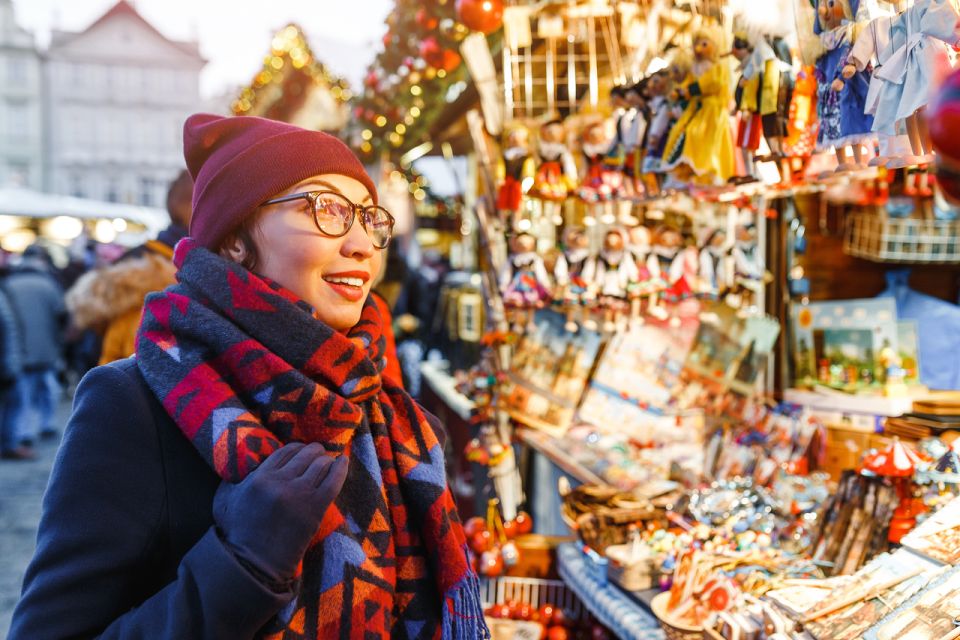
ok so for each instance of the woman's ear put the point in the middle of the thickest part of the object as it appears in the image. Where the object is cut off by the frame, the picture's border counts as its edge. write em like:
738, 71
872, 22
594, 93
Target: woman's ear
234, 249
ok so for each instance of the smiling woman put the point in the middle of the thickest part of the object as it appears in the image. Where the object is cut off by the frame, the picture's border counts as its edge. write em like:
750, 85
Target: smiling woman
250, 473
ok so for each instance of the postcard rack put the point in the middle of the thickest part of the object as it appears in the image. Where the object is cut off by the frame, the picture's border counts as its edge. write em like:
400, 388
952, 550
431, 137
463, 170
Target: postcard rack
910, 240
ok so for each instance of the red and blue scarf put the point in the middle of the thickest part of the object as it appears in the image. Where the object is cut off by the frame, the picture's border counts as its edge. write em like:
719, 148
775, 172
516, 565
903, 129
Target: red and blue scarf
243, 366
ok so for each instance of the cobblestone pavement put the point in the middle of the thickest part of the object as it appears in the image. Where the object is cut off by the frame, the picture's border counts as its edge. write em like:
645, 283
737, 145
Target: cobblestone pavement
21, 491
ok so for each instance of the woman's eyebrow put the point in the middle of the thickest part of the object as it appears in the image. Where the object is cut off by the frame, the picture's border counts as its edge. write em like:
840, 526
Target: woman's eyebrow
326, 184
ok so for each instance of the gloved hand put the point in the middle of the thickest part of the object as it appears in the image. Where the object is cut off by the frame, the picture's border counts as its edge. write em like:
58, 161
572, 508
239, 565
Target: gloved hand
269, 518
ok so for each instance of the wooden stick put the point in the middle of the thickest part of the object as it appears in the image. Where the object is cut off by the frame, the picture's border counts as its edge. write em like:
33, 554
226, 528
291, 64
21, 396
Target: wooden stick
853, 599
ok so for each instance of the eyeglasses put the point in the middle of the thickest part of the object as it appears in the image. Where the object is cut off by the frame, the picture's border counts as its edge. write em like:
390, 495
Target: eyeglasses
334, 214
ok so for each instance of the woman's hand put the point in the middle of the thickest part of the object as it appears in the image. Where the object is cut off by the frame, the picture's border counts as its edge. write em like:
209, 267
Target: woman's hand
848, 71
837, 85
270, 517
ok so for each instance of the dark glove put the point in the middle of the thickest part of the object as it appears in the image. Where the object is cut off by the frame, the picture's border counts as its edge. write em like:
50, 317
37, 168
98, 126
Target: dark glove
269, 518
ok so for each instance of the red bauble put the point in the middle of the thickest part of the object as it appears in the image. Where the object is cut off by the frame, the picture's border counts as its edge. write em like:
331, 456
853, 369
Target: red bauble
480, 542
491, 564
371, 80
525, 612
524, 523
438, 57
500, 611
557, 632
560, 618
510, 529
484, 16
473, 525
425, 20
546, 613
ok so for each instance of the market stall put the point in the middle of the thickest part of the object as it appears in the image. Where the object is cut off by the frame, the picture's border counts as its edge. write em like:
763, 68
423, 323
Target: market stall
718, 274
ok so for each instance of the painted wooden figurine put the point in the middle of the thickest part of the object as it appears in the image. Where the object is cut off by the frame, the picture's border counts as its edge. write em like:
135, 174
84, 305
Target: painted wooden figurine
609, 273
700, 143
573, 292
556, 177
524, 281
515, 175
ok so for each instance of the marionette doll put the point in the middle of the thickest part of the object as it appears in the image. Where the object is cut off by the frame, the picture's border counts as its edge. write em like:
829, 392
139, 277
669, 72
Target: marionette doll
574, 294
608, 274
556, 176
749, 273
841, 102
516, 165
615, 159
747, 98
663, 266
632, 146
700, 142
658, 87
524, 281
918, 38
599, 185
715, 274
776, 98
643, 285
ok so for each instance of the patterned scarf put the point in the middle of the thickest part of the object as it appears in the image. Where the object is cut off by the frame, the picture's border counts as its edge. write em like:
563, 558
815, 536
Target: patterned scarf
243, 366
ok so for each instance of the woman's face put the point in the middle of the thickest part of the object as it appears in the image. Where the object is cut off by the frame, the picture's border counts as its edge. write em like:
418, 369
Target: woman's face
334, 275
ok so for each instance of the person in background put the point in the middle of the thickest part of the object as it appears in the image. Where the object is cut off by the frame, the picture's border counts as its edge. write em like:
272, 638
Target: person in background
109, 300
41, 315
250, 473
11, 367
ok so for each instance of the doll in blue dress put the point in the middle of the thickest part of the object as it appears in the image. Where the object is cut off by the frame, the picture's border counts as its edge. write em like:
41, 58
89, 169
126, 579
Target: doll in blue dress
840, 101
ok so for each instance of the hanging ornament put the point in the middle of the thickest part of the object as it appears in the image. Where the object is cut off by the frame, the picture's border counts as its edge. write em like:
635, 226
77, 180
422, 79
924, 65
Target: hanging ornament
426, 20
484, 16
438, 57
371, 80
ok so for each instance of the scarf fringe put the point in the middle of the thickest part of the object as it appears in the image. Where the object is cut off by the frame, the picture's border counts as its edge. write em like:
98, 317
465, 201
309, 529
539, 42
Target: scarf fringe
462, 617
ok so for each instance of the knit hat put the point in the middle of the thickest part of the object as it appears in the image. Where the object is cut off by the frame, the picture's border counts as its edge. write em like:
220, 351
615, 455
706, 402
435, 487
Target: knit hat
239, 162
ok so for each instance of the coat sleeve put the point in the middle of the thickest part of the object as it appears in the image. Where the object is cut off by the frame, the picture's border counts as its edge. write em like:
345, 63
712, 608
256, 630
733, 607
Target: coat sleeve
103, 513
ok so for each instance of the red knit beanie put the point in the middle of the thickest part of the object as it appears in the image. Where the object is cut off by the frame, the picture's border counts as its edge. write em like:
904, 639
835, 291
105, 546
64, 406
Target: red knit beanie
239, 162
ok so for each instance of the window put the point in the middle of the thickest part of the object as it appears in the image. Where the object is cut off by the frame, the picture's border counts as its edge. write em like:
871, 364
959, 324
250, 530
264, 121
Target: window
76, 186
146, 191
17, 71
18, 174
18, 121
113, 190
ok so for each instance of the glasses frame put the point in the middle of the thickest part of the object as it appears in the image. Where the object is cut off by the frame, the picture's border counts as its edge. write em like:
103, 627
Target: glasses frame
359, 211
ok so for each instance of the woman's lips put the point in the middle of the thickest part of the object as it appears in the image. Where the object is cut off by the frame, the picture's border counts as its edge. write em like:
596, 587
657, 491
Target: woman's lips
346, 291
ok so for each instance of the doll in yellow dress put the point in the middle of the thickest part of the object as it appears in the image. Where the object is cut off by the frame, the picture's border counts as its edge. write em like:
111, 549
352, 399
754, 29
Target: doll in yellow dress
701, 141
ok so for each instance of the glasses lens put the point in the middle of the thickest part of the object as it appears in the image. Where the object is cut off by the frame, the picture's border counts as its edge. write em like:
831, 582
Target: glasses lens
379, 225
333, 213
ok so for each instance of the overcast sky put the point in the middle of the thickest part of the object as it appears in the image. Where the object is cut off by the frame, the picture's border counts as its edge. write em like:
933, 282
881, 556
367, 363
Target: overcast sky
234, 35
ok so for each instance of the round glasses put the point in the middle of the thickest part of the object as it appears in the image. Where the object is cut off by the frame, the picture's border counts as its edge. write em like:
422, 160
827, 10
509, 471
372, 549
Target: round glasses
334, 214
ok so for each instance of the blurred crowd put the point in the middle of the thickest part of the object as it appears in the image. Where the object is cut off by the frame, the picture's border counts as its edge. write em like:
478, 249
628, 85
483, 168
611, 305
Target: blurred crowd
56, 323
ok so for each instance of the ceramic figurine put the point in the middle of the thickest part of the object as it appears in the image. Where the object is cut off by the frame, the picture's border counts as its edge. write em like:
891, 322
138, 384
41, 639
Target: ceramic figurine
573, 292
700, 144
524, 281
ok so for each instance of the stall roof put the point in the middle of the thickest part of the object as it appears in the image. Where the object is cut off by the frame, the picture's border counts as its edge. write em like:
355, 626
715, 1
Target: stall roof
24, 202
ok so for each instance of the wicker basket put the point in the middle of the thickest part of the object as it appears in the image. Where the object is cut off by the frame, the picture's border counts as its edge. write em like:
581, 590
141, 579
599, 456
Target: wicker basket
882, 239
672, 630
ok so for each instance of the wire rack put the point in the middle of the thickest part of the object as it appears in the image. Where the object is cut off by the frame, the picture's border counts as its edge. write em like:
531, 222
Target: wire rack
876, 237
533, 591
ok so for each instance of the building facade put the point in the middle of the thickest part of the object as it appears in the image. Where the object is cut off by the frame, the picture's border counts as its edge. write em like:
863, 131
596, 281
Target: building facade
21, 105
116, 95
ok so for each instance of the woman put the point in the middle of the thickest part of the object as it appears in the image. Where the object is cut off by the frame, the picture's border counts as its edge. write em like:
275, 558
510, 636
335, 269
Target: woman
249, 473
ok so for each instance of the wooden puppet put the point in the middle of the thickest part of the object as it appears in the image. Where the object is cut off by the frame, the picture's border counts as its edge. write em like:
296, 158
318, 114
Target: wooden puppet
700, 142
608, 274
556, 177
524, 281
841, 102
515, 173
574, 294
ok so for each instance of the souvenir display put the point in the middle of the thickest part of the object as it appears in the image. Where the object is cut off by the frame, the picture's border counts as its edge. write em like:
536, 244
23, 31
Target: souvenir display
682, 353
